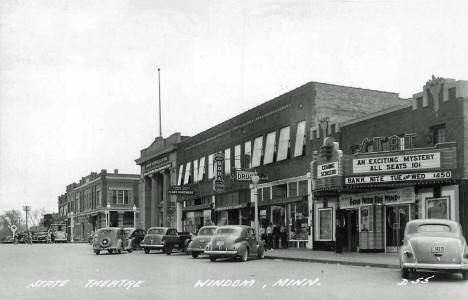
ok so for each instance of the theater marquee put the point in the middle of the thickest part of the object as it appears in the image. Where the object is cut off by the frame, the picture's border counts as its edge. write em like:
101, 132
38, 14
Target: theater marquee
397, 162
399, 177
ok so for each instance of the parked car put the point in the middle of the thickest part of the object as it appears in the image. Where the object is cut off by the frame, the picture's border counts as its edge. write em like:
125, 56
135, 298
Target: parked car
236, 241
59, 230
112, 239
198, 244
433, 244
8, 240
165, 239
60, 237
135, 236
39, 237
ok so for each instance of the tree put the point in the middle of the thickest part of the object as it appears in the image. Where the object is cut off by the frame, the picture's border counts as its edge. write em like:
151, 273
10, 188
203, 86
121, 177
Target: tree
11, 217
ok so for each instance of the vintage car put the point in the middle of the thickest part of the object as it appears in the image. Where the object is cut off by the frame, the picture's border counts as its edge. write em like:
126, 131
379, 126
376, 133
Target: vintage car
8, 240
60, 237
135, 236
39, 237
433, 244
234, 241
198, 244
165, 239
112, 239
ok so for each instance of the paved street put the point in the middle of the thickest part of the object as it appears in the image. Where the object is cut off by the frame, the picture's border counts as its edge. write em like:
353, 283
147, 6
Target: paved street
157, 276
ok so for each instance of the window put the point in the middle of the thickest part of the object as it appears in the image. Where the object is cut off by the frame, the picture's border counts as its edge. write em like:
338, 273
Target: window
314, 134
452, 93
195, 170
98, 197
438, 134
279, 191
210, 166
325, 224
300, 140
269, 148
125, 197
237, 157
303, 190
114, 196
365, 219
187, 176
437, 208
257, 152
419, 102
292, 189
266, 193
247, 154
181, 169
283, 144
227, 161
201, 168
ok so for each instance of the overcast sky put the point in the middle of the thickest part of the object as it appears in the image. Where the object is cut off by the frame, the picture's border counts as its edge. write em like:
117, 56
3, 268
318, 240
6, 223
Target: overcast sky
78, 79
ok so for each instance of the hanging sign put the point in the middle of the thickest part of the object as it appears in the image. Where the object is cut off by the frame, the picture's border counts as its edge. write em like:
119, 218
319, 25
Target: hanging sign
327, 170
218, 182
404, 195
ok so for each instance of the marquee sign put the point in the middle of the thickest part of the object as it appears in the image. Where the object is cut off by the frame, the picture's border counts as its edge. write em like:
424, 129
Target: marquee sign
399, 177
327, 170
404, 195
396, 162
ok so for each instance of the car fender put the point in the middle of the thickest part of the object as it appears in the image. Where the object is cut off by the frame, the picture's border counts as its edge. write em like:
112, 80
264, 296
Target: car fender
241, 246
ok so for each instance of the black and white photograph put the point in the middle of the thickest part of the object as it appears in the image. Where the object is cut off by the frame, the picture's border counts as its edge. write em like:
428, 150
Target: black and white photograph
264, 149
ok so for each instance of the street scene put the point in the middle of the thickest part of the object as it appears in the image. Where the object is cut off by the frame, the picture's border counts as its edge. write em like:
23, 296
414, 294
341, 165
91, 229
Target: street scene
233, 149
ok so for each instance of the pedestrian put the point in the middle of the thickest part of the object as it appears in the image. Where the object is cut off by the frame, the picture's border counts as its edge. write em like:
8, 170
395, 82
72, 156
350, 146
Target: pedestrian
276, 236
269, 233
262, 233
283, 237
48, 237
52, 237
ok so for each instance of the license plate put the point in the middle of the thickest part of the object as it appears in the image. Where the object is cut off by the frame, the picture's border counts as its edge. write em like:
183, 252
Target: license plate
219, 243
438, 249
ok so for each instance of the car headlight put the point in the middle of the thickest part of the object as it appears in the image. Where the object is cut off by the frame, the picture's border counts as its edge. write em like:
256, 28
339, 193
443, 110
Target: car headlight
465, 252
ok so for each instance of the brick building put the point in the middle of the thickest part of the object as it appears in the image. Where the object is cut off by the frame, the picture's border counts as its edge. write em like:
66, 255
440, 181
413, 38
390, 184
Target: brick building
383, 169
100, 199
275, 140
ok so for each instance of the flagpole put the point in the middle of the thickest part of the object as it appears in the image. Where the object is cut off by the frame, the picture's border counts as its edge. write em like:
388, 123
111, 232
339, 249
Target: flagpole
159, 86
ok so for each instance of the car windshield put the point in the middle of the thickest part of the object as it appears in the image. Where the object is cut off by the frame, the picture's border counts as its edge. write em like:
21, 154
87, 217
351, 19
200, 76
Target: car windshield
207, 231
227, 231
156, 231
433, 228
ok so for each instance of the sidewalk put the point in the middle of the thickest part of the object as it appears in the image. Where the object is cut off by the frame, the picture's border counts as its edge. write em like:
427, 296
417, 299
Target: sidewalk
380, 260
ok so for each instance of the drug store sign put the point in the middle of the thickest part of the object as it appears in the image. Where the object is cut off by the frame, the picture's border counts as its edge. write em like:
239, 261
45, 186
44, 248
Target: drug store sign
394, 163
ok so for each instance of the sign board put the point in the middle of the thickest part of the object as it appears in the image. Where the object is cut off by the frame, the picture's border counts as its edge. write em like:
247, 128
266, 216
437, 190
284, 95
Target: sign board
399, 177
158, 169
403, 195
180, 190
396, 162
13, 228
218, 183
327, 170
155, 163
243, 175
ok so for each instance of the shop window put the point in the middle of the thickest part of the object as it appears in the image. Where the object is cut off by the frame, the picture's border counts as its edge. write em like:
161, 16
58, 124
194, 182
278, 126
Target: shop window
283, 144
210, 166
438, 208
237, 156
247, 154
266, 193
300, 139
227, 161
198, 201
292, 189
365, 219
181, 169
257, 152
201, 169
187, 177
452, 93
303, 190
438, 134
195, 171
299, 222
325, 224
269, 148
279, 191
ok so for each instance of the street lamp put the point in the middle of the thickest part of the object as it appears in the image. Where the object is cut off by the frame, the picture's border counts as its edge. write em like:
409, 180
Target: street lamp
134, 216
255, 179
107, 214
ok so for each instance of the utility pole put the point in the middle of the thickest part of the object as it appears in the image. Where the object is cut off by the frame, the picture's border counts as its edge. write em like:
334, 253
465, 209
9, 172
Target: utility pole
159, 89
27, 208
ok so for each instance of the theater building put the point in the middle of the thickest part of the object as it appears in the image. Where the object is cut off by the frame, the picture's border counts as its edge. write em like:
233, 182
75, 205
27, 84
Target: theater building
158, 174
100, 199
402, 163
274, 140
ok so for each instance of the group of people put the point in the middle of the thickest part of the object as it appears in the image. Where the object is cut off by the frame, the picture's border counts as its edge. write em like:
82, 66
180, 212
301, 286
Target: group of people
50, 237
274, 236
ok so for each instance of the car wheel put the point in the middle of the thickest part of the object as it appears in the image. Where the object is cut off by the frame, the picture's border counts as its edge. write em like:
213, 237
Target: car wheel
168, 250
110, 251
245, 255
212, 258
404, 273
130, 250
146, 250
119, 251
261, 253
97, 252
465, 274
195, 254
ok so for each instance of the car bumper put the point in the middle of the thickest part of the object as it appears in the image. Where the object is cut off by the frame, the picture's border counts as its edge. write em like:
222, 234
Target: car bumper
435, 266
198, 250
154, 247
221, 253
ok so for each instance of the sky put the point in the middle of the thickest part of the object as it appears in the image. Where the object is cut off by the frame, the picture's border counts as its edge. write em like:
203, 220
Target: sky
79, 81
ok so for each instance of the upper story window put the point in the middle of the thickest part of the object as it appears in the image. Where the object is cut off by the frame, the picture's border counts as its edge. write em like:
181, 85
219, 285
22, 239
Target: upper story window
237, 156
248, 154
227, 161
438, 134
419, 102
283, 144
201, 169
257, 152
210, 166
452, 93
195, 171
299, 148
120, 196
187, 177
181, 169
269, 148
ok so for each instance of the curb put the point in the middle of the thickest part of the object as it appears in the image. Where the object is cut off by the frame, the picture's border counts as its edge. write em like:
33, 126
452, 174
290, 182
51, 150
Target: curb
340, 262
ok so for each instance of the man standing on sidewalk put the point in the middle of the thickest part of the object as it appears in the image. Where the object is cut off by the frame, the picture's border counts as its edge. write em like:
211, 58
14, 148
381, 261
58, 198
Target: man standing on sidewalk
269, 232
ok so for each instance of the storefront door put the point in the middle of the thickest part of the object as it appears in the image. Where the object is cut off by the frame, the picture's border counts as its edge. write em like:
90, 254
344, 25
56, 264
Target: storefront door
396, 218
